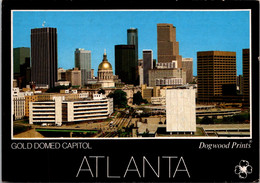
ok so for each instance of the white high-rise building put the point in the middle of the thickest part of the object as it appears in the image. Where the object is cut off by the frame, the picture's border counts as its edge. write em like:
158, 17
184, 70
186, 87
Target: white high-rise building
83, 62
180, 110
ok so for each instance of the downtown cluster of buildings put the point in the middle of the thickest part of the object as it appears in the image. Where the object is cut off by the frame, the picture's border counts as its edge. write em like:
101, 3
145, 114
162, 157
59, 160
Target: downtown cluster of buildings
36, 69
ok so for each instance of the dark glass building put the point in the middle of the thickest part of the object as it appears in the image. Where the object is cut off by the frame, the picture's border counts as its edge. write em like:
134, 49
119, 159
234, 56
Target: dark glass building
246, 76
21, 66
147, 64
44, 56
125, 64
20, 55
132, 39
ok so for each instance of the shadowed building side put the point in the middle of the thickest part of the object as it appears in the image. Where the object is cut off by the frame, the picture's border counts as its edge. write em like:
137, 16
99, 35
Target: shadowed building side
125, 64
215, 69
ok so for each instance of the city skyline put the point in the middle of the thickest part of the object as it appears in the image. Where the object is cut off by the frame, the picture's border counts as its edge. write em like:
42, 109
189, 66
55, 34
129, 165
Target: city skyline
99, 30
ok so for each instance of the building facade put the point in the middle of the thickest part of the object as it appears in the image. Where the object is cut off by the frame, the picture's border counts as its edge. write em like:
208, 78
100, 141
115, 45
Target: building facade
21, 66
74, 76
19, 103
169, 81
61, 74
187, 64
20, 55
140, 72
156, 74
132, 39
44, 59
216, 70
167, 46
83, 62
18, 107
240, 84
125, 64
61, 111
246, 76
147, 65
180, 110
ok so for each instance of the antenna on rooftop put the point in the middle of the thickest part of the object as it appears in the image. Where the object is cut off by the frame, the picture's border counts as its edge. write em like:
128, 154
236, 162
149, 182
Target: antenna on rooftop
43, 24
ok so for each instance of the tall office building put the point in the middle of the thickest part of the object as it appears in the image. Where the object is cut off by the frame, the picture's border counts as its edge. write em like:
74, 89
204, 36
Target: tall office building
132, 39
125, 64
167, 46
216, 71
147, 64
20, 55
21, 66
44, 56
83, 62
187, 64
246, 75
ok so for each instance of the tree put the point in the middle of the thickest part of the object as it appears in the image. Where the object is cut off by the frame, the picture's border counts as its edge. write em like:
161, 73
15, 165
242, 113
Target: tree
101, 91
138, 99
119, 97
207, 120
57, 89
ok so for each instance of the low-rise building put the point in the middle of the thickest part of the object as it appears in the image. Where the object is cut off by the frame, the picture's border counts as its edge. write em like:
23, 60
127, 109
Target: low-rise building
18, 107
169, 81
155, 74
62, 83
158, 101
61, 111
74, 76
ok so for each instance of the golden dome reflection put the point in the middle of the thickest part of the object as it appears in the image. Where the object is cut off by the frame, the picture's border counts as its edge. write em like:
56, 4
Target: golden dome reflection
105, 65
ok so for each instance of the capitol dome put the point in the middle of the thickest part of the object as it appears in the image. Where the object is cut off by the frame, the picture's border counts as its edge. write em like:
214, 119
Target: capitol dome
105, 65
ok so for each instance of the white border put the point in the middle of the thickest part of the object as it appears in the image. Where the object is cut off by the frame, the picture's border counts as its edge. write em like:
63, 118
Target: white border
135, 138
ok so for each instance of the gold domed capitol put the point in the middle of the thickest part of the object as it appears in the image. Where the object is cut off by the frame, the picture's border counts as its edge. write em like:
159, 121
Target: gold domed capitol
105, 65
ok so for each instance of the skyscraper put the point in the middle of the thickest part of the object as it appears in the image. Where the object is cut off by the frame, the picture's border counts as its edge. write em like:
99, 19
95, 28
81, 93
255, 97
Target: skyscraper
21, 66
125, 64
44, 56
216, 70
83, 62
187, 64
20, 55
147, 64
132, 39
167, 46
246, 75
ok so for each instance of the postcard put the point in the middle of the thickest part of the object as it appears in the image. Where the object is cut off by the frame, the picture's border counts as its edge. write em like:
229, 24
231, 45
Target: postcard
102, 93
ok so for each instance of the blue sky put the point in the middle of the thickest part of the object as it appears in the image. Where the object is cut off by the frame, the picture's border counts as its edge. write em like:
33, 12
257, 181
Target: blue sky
99, 30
